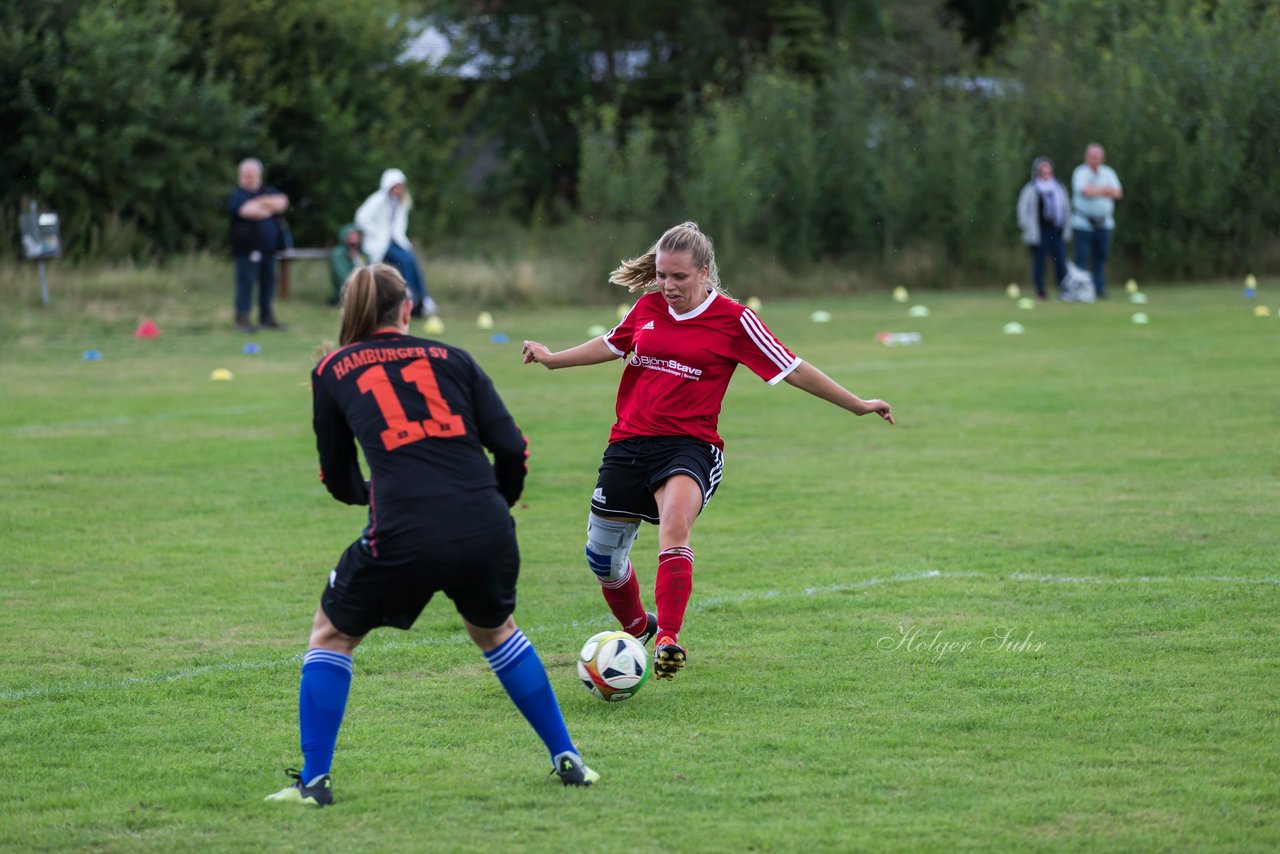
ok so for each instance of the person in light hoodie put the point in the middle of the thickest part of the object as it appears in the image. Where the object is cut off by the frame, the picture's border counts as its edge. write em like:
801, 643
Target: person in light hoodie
384, 221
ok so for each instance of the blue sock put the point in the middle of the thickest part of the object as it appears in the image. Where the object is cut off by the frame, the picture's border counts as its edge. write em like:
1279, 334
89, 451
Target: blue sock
521, 673
322, 699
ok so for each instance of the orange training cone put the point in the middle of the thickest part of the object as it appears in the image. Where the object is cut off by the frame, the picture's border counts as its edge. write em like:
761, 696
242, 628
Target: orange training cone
146, 329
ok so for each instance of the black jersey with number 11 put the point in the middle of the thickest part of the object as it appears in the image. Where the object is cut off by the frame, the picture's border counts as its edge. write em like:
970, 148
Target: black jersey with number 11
424, 414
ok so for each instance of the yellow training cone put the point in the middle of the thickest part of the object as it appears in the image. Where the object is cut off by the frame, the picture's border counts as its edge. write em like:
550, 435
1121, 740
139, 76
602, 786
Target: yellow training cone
221, 374
1250, 281
1261, 311
485, 320
900, 294
1131, 286
622, 310
595, 330
1013, 291
753, 303
433, 325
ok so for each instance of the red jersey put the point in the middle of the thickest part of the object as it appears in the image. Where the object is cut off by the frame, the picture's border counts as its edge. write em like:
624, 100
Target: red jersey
681, 364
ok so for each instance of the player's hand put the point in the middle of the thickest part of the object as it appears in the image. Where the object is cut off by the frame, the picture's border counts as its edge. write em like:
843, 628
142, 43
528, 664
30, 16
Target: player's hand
532, 351
881, 408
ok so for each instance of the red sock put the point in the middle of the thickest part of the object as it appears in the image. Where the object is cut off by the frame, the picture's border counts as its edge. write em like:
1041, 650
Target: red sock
624, 601
672, 589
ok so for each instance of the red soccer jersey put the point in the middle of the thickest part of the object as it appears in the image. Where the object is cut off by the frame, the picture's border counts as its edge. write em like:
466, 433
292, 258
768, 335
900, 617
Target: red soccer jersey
681, 364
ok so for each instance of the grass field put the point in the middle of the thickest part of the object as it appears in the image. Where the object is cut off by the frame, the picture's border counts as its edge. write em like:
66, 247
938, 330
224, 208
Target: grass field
1039, 614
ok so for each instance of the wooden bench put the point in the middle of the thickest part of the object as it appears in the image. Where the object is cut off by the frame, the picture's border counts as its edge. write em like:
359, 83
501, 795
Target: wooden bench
286, 256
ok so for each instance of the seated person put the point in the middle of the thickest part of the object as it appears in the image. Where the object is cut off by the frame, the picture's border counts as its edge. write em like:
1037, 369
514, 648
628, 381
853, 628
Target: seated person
384, 221
344, 258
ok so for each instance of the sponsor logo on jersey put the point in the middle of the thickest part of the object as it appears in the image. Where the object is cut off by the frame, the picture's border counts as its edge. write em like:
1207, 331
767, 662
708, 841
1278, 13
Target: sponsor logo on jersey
598, 496
648, 325
667, 366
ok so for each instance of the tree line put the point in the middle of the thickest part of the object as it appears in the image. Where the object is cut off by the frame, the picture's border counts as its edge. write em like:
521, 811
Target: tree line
807, 129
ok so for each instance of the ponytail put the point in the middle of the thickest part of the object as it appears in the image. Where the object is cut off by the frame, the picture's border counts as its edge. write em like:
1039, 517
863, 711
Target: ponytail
641, 273
371, 298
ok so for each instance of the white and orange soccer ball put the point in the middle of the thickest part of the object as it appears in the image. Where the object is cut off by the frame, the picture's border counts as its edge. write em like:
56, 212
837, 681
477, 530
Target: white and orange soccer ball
613, 666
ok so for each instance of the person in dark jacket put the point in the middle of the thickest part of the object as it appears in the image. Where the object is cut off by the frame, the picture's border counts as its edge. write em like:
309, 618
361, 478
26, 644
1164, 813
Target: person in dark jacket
255, 210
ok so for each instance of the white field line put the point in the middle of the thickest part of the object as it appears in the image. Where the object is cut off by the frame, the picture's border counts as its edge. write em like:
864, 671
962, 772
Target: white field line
1141, 579
374, 646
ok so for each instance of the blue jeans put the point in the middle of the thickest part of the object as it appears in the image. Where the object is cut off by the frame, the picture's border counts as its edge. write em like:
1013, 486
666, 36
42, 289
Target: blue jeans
263, 272
1092, 250
404, 261
1050, 245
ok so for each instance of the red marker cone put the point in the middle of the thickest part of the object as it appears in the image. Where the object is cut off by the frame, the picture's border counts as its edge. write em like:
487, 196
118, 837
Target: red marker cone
147, 329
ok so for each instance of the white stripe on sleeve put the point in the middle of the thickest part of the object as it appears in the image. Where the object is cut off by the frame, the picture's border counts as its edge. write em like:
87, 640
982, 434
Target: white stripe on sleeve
768, 344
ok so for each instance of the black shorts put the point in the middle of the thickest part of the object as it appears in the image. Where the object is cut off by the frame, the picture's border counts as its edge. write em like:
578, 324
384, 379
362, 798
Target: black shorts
633, 468
478, 572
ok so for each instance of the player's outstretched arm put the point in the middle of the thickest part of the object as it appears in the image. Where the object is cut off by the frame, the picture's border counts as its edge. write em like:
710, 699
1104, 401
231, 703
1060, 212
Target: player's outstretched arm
808, 378
593, 352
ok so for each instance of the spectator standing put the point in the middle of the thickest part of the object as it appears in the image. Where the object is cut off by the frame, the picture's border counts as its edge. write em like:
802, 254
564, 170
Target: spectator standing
344, 258
384, 221
1095, 189
257, 232
1045, 222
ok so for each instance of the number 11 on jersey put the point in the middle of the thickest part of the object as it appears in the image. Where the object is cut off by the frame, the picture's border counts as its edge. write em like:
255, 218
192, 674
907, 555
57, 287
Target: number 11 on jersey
443, 423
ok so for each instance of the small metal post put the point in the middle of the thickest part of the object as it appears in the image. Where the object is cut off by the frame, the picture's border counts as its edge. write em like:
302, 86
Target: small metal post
37, 245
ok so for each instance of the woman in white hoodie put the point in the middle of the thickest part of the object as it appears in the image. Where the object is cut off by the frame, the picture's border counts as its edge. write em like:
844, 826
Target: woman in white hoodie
384, 221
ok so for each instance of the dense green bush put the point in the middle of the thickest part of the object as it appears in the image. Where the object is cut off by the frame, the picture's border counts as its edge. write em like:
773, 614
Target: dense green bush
102, 122
719, 184
622, 176
857, 170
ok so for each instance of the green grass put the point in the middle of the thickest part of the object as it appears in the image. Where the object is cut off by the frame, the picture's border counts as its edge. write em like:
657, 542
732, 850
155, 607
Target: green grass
1109, 490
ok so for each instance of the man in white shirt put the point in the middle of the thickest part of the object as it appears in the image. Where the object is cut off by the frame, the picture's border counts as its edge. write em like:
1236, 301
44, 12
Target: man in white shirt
1095, 189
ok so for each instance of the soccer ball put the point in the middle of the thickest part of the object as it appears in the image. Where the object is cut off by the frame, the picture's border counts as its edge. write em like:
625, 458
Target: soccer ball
613, 666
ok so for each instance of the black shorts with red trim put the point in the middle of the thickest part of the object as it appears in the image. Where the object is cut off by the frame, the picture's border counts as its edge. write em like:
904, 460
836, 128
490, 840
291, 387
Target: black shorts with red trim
632, 469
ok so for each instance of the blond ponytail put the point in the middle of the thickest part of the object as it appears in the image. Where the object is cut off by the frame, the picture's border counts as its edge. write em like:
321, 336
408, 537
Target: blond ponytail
641, 273
371, 298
